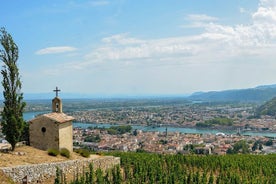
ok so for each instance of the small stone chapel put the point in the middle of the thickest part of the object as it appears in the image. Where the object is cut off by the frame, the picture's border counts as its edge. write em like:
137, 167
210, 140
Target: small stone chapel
52, 130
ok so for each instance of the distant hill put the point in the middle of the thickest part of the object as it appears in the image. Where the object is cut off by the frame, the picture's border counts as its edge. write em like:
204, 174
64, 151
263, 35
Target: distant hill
268, 108
259, 94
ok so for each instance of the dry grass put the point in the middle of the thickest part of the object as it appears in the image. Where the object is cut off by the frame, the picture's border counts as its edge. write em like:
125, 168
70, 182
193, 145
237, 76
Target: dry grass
27, 155
4, 179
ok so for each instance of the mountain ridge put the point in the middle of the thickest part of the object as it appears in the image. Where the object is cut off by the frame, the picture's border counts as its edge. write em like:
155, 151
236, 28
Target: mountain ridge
258, 94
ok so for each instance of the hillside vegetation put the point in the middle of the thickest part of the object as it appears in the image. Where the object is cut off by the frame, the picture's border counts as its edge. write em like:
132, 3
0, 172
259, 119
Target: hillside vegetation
215, 121
268, 108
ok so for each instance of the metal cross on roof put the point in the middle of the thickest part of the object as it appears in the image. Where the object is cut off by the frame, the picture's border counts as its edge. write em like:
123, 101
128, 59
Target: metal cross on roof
56, 90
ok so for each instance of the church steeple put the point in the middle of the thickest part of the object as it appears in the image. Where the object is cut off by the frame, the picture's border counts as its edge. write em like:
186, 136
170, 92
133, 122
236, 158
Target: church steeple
56, 102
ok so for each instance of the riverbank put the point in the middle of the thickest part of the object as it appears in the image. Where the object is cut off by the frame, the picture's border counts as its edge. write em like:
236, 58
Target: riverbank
189, 128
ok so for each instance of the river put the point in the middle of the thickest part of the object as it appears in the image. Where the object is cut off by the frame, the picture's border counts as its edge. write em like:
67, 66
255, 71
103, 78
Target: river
31, 115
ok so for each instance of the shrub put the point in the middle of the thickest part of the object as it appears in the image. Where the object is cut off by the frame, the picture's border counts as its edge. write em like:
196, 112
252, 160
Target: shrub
83, 152
53, 152
65, 152
77, 150
100, 153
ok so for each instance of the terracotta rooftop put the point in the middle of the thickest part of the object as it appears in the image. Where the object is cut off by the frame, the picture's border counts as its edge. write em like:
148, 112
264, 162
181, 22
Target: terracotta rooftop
59, 117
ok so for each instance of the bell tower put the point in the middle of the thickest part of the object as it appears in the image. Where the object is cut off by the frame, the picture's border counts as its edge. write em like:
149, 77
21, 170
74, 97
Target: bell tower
56, 102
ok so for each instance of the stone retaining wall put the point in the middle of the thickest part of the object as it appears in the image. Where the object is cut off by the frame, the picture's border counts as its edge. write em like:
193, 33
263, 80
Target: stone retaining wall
37, 173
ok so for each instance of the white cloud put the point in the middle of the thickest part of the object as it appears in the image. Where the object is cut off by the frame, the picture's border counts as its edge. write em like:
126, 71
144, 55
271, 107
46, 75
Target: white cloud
267, 3
217, 42
265, 15
120, 47
242, 10
88, 4
224, 53
55, 50
201, 18
266, 12
121, 39
99, 3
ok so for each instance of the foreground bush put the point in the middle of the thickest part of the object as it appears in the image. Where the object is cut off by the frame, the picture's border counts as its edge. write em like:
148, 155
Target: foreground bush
83, 152
53, 152
65, 152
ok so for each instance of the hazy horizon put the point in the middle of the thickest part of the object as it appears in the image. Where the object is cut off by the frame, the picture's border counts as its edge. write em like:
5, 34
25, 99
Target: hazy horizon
68, 95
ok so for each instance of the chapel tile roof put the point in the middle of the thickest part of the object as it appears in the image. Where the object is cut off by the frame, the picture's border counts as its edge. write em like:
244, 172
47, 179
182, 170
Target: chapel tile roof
59, 117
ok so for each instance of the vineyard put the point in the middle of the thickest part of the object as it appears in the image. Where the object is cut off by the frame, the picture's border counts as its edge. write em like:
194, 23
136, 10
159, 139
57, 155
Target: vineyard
156, 168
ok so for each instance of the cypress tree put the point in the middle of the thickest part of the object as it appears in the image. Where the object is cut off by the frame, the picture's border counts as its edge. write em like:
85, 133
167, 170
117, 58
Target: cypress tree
12, 115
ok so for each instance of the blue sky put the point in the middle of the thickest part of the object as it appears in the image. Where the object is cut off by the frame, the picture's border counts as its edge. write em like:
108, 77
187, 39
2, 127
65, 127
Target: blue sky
156, 47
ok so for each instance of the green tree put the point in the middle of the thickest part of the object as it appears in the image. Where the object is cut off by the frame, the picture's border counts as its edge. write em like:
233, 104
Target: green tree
269, 142
255, 146
239, 147
92, 138
12, 115
260, 147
